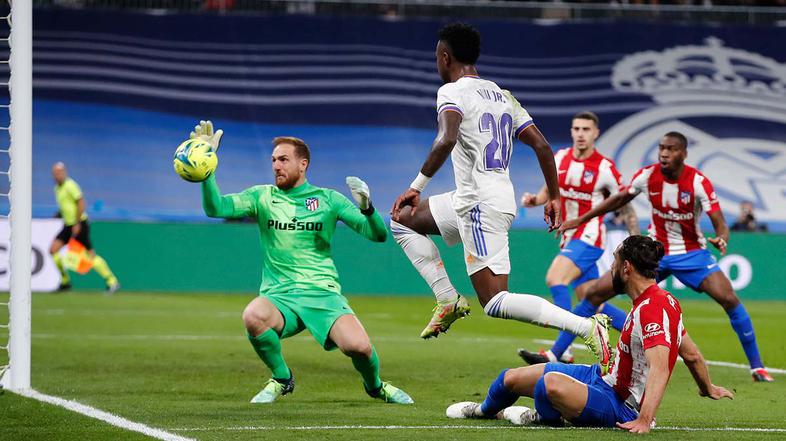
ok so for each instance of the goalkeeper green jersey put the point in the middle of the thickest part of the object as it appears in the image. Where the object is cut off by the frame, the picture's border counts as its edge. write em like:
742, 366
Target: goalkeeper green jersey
296, 227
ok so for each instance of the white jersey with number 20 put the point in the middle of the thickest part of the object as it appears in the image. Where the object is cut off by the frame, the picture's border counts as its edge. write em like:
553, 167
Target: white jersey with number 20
490, 124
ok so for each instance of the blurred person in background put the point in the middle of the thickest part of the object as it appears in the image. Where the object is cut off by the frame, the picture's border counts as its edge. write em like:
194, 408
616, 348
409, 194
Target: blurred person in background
71, 206
746, 221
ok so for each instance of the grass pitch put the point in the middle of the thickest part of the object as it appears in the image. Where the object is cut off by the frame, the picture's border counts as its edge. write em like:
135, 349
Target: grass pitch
182, 363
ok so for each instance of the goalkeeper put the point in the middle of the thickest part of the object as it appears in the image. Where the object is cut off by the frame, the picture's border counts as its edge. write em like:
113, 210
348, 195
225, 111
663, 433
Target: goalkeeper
300, 288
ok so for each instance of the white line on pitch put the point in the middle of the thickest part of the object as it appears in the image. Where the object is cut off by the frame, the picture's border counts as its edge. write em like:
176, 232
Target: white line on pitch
709, 362
104, 416
475, 427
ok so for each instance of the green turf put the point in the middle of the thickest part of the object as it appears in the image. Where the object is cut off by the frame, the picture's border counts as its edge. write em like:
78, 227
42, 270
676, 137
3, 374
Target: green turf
182, 362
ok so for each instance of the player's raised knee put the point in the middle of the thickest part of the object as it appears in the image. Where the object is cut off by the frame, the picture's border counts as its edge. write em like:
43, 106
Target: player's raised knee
555, 385
256, 317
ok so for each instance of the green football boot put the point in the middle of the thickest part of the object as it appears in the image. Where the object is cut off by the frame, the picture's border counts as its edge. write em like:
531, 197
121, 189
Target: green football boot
598, 341
444, 316
274, 389
390, 394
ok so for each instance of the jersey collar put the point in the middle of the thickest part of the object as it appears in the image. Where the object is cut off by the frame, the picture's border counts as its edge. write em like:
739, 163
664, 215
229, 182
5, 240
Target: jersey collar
649, 292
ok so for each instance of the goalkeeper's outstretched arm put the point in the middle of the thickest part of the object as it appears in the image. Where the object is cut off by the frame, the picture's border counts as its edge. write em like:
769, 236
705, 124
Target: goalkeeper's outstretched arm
364, 219
226, 206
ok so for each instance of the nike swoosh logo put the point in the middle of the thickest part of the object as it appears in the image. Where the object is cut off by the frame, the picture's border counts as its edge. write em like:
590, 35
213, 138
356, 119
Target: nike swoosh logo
278, 202
710, 266
654, 194
562, 172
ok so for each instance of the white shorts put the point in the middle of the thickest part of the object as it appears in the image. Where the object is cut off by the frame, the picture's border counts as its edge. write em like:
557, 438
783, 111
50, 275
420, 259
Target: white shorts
483, 231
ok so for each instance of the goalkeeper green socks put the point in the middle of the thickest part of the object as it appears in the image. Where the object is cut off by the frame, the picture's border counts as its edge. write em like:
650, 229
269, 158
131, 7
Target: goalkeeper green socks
369, 370
65, 278
102, 268
268, 346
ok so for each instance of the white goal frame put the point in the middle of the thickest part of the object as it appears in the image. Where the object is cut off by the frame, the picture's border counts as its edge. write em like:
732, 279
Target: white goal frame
17, 377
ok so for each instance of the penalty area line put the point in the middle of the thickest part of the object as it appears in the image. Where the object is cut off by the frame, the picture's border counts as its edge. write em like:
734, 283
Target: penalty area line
101, 415
473, 427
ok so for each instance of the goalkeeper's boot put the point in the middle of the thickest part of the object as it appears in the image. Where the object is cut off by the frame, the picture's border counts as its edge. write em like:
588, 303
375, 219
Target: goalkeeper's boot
761, 375
521, 415
444, 316
64, 287
390, 394
274, 389
465, 409
598, 340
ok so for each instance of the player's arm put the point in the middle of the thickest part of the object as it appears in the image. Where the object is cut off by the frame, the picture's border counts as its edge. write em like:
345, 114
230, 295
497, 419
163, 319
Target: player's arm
226, 206
76, 193
529, 200
447, 136
721, 239
533, 138
611, 203
698, 368
631, 220
363, 219
657, 379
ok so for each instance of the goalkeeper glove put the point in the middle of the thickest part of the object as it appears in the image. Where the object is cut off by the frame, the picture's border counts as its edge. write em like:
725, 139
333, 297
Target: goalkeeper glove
360, 192
204, 131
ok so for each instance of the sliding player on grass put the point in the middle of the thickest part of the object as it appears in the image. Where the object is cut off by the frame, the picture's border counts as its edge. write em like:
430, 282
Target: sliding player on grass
478, 123
630, 394
678, 193
300, 288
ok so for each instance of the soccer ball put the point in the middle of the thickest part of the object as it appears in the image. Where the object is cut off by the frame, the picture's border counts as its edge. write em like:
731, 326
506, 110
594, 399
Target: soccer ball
195, 160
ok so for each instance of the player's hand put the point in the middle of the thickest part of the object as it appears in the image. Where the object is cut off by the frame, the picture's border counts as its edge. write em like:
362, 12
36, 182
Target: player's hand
76, 229
360, 192
410, 197
529, 200
639, 425
716, 393
551, 214
204, 131
719, 243
570, 224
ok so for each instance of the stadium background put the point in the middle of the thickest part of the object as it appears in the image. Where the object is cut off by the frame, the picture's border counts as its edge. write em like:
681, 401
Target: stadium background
115, 91
119, 83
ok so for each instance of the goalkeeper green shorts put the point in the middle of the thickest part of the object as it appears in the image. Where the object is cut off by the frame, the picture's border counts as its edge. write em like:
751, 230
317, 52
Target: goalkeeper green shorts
312, 310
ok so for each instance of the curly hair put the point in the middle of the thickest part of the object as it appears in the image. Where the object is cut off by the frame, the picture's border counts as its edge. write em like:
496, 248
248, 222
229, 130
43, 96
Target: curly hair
463, 41
643, 253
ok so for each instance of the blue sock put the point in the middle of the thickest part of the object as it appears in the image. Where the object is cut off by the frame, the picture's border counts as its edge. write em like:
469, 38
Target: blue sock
548, 414
499, 397
741, 322
564, 340
617, 315
561, 296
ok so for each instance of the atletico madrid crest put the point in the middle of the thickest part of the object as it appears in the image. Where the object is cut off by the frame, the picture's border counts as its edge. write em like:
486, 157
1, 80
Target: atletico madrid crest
312, 204
685, 197
588, 176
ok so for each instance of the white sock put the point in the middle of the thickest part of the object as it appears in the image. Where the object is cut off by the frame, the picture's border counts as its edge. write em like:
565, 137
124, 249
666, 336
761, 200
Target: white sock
537, 310
424, 255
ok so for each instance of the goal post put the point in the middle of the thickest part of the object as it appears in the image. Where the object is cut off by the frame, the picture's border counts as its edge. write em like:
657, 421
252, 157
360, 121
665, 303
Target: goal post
20, 130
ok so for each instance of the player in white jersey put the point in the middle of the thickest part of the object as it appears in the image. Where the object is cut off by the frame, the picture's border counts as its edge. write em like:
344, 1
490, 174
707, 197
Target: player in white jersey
477, 124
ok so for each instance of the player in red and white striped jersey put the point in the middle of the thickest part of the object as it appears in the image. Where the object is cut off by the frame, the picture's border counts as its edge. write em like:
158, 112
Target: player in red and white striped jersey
630, 394
678, 193
586, 178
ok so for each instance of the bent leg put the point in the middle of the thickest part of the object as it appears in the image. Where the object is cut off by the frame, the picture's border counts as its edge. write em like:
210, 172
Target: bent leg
718, 286
560, 274
410, 232
351, 339
264, 323
54, 250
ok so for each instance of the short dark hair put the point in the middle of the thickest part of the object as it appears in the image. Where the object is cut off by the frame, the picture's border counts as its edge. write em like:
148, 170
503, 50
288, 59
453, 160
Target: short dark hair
679, 137
588, 115
644, 253
463, 41
301, 148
